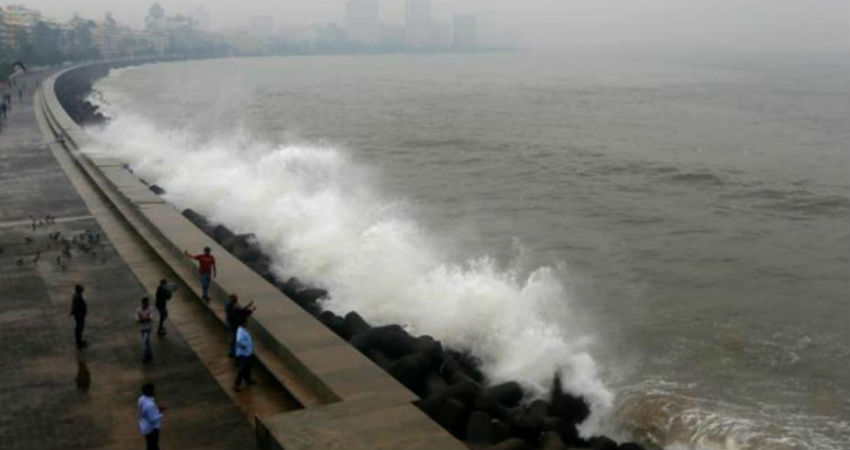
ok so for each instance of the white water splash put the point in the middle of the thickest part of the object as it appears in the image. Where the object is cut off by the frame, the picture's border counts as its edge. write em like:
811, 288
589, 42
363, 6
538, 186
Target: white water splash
659, 412
312, 209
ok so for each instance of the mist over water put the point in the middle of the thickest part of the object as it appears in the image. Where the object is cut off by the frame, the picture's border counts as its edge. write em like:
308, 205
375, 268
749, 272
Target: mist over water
672, 233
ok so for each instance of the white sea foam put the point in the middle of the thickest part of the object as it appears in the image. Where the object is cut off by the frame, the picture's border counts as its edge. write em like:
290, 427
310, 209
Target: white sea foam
313, 210
660, 413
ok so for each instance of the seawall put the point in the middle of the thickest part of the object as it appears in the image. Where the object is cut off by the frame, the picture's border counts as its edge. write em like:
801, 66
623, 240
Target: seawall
348, 401
342, 389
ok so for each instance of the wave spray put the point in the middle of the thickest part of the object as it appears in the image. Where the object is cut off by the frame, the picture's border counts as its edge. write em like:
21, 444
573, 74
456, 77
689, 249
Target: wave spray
313, 211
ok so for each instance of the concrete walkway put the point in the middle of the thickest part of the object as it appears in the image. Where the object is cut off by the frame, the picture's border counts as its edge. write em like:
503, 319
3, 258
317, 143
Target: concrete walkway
40, 369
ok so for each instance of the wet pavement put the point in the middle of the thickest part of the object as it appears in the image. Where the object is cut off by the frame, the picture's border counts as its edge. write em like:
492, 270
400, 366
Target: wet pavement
54, 395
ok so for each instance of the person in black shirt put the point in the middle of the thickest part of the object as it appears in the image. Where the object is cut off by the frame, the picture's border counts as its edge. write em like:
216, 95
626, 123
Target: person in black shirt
78, 312
163, 295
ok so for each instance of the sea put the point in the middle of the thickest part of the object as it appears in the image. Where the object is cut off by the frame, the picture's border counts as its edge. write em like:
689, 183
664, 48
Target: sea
669, 232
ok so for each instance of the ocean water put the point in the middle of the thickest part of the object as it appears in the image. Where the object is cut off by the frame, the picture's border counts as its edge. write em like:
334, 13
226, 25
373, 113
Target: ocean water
671, 232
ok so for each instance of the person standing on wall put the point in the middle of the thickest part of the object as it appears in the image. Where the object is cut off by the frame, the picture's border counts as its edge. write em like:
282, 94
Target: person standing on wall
244, 356
150, 416
206, 270
163, 295
79, 310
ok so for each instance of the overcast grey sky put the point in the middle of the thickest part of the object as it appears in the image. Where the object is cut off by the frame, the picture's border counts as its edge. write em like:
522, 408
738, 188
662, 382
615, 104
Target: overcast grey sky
715, 25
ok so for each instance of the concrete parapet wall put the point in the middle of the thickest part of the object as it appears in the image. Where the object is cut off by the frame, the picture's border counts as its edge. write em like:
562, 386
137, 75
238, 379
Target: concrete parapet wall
342, 390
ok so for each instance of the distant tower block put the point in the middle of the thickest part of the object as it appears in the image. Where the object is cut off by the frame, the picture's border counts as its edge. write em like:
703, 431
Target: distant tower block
262, 26
417, 23
361, 21
464, 33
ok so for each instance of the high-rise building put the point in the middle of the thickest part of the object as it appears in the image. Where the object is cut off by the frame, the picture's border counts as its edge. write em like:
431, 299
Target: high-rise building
361, 21
2, 30
106, 37
441, 35
417, 23
464, 31
17, 21
262, 25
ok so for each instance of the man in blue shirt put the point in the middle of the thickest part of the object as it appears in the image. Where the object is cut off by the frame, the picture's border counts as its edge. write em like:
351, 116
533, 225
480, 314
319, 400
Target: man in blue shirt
235, 313
150, 417
244, 355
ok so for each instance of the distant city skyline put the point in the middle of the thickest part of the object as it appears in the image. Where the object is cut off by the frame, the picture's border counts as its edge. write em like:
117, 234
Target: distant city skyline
227, 14
28, 34
719, 25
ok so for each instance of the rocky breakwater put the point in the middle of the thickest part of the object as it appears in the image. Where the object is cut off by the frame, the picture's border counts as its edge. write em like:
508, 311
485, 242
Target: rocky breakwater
73, 89
452, 389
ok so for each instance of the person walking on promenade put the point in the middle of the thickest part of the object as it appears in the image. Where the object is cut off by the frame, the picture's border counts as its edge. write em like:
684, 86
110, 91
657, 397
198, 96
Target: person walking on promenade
144, 317
206, 270
163, 295
150, 416
235, 314
79, 309
244, 356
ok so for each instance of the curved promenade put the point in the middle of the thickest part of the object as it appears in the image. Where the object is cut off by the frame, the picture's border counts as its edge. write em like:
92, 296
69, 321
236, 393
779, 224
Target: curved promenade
343, 399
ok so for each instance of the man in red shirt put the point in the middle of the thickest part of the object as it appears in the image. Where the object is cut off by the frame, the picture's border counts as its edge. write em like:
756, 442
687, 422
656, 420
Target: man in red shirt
206, 269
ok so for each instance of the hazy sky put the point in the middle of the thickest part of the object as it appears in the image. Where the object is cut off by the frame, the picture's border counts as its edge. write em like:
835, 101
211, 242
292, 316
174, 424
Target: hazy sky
746, 25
